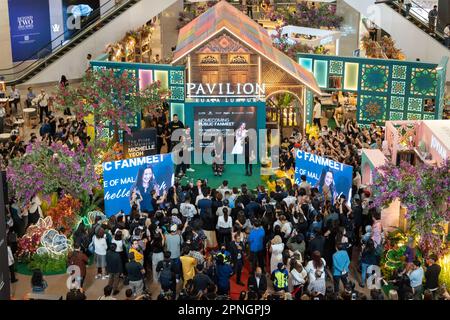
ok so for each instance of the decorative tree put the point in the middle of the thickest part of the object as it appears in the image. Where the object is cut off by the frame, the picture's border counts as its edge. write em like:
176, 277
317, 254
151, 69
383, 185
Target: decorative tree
425, 191
46, 169
112, 97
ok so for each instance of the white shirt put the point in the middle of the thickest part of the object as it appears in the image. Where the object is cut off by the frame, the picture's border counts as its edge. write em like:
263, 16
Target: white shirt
298, 278
15, 94
100, 246
222, 190
289, 200
222, 224
311, 270
187, 210
10, 257
317, 112
119, 244
447, 31
2, 112
35, 204
43, 99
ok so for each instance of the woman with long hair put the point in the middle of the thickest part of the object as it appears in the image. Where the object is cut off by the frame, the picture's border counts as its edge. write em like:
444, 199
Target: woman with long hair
218, 155
326, 184
276, 248
241, 134
224, 228
145, 183
317, 263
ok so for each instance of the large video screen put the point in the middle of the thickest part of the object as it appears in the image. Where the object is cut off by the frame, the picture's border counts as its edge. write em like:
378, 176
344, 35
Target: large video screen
238, 119
78, 14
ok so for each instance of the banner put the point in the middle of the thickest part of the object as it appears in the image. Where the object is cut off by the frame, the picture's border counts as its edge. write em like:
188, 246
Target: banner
4, 268
135, 179
140, 144
77, 14
29, 23
238, 119
325, 174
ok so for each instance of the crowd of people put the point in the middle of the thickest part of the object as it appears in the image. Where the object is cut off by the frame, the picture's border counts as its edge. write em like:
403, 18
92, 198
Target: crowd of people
293, 242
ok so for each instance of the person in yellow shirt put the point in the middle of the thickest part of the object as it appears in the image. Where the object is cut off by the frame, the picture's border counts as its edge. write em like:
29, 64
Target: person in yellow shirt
138, 252
188, 265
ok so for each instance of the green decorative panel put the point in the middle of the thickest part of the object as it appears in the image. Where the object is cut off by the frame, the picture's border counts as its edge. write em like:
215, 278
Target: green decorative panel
336, 67
320, 72
397, 103
394, 115
414, 104
398, 87
351, 76
374, 78
176, 77
413, 116
163, 77
177, 93
177, 108
428, 117
423, 82
372, 108
306, 63
399, 72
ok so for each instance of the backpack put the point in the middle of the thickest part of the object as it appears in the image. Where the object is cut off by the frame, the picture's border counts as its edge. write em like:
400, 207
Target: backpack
165, 276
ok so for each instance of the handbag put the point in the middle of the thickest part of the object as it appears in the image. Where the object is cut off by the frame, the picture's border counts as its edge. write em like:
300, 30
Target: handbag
91, 247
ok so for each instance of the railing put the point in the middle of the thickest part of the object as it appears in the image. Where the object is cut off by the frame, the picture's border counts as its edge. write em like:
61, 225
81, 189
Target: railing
420, 14
57, 45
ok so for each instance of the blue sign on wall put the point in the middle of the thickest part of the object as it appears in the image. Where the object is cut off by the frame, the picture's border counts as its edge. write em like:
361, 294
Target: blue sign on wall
325, 174
29, 22
140, 175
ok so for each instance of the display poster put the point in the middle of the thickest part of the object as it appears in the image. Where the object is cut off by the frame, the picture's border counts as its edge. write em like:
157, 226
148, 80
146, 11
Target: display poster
78, 14
232, 122
327, 175
4, 268
133, 180
29, 23
140, 143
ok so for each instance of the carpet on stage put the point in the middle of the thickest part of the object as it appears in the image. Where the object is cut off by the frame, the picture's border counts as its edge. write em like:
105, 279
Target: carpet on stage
234, 173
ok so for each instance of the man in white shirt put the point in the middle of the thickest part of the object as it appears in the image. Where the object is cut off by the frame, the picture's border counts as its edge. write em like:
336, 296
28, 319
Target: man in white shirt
187, 209
317, 112
224, 188
447, 35
43, 104
15, 95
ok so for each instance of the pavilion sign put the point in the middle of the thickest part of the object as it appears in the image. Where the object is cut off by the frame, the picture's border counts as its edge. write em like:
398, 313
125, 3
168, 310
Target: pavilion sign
229, 92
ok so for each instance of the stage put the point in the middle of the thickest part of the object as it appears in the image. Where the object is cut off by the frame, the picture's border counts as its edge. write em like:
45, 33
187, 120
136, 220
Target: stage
234, 173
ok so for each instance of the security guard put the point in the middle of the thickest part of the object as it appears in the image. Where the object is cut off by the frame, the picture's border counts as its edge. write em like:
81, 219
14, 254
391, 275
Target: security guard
280, 278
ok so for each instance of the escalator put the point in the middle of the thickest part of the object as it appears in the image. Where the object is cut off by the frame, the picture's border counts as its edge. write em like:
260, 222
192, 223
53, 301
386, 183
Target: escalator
94, 34
418, 15
415, 42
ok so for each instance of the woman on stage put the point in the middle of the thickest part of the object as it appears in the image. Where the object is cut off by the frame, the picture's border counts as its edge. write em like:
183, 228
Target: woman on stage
241, 133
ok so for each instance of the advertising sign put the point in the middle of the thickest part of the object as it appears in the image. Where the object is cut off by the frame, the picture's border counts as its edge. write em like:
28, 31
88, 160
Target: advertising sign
29, 22
133, 180
327, 175
140, 143
232, 122
78, 14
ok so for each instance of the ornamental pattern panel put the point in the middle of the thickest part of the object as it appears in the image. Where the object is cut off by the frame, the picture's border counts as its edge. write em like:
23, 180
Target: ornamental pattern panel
428, 116
399, 72
177, 93
397, 103
413, 116
372, 108
336, 67
414, 104
398, 87
176, 77
423, 82
394, 115
374, 78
